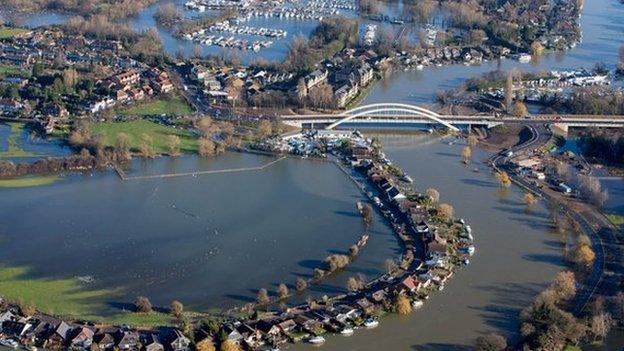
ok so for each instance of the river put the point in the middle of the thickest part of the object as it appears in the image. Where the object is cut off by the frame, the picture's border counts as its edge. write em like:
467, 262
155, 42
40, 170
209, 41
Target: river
294, 214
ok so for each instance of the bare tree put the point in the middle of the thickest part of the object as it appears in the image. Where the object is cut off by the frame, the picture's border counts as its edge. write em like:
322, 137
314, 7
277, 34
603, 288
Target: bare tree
282, 291
176, 308
173, 145
446, 211
600, 325
433, 194
263, 297
402, 305
122, 146
491, 342
142, 304
509, 90
301, 284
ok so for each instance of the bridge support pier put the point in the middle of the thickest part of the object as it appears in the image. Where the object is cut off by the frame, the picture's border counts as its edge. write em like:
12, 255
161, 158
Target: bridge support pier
561, 127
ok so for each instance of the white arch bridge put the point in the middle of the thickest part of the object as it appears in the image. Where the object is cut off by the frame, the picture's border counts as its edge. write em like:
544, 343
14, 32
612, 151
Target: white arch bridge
387, 114
399, 116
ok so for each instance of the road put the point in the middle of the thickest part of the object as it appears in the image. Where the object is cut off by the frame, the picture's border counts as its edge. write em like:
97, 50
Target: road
607, 271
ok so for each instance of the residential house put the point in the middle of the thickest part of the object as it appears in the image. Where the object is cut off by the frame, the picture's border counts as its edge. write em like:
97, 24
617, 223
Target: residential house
59, 337
317, 77
200, 72
408, 285
104, 339
127, 340
269, 327
178, 342
233, 334
346, 93
10, 106
288, 325
82, 337
151, 342
127, 77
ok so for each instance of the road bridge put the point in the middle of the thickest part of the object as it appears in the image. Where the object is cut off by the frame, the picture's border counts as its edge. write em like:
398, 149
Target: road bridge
404, 115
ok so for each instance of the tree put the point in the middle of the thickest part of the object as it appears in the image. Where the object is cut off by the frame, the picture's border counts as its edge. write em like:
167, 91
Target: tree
122, 146
491, 342
354, 284
354, 250
173, 145
529, 199
446, 211
584, 255
503, 179
70, 78
433, 194
390, 266
520, 109
537, 48
146, 146
318, 274
301, 284
509, 90
403, 305
564, 285
206, 126
336, 262
26, 309
367, 215
229, 345
205, 345
618, 300
282, 291
263, 297
264, 128
600, 325
176, 308
466, 153
205, 147
142, 304
472, 140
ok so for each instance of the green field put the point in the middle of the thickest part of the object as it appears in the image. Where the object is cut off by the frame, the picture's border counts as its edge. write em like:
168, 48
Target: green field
171, 106
6, 32
70, 299
9, 70
616, 219
13, 149
25, 182
188, 142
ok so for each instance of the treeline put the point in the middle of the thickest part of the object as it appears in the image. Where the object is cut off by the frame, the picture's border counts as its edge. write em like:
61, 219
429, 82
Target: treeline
82, 161
603, 145
596, 100
328, 38
113, 9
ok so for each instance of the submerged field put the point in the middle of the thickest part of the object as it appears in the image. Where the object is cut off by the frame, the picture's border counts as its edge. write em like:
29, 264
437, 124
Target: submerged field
209, 241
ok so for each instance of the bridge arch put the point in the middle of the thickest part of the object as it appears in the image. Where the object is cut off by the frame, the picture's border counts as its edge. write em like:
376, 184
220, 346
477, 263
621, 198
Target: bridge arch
390, 108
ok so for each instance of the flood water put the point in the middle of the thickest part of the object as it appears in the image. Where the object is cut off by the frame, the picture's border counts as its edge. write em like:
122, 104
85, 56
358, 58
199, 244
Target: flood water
210, 241
602, 28
516, 255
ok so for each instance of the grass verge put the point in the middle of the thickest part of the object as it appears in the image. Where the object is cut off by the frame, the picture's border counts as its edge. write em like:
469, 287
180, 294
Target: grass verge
170, 106
616, 219
158, 133
26, 182
9, 32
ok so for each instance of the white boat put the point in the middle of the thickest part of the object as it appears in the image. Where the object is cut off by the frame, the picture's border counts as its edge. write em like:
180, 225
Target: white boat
316, 340
371, 323
347, 331
524, 58
471, 250
420, 67
417, 304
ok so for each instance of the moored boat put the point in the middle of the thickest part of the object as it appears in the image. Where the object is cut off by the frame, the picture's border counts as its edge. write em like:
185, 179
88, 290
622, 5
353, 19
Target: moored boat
371, 323
316, 340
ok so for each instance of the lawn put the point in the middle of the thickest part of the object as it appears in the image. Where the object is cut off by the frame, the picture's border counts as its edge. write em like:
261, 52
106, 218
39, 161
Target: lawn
9, 70
616, 219
13, 149
572, 348
8, 32
68, 298
24, 182
158, 132
171, 106
63, 297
